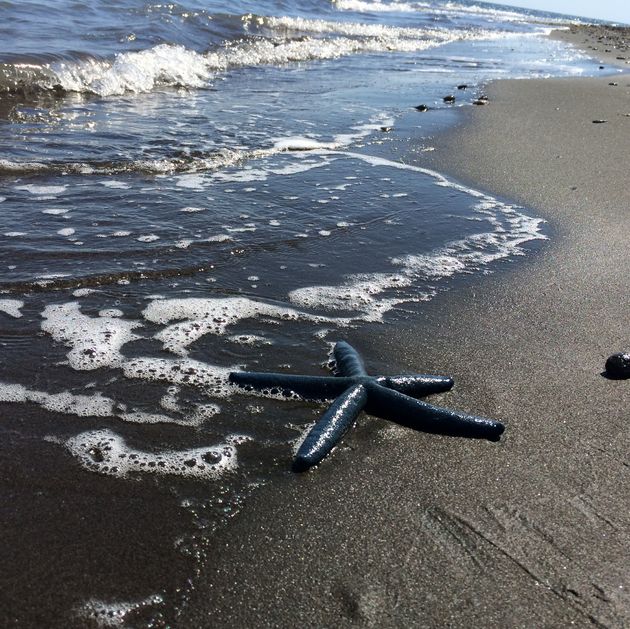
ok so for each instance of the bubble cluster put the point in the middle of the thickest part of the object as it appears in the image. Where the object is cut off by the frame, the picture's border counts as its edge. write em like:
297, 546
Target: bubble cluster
94, 405
11, 307
95, 341
249, 339
105, 452
97, 405
203, 316
41, 190
210, 378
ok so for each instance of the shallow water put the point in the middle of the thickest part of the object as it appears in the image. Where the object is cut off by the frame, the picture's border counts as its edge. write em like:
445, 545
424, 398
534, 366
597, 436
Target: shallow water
192, 188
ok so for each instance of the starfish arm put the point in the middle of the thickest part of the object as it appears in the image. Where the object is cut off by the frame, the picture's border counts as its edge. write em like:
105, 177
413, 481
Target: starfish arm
330, 429
349, 361
418, 385
419, 415
308, 387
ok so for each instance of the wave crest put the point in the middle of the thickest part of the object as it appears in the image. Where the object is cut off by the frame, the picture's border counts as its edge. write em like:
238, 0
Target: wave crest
269, 41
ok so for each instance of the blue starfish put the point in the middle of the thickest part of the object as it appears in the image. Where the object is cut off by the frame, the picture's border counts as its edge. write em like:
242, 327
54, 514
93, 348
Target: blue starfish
353, 390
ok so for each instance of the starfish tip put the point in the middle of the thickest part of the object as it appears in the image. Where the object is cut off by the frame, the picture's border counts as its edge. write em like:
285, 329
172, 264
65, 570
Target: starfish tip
301, 464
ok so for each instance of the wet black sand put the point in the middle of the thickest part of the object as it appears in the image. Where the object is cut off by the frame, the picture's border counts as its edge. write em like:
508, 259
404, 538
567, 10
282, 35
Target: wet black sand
403, 529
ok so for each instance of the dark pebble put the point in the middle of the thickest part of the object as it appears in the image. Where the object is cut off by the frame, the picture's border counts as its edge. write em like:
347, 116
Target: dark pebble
618, 366
613, 83
479, 101
449, 99
422, 108
386, 129
599, 121
463, 86
601, 67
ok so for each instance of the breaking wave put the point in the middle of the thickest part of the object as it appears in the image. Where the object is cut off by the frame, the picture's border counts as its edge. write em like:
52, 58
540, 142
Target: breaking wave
267, 41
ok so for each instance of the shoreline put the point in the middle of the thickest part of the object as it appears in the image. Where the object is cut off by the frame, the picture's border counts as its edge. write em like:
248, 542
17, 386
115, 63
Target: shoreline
406, 529
607, 44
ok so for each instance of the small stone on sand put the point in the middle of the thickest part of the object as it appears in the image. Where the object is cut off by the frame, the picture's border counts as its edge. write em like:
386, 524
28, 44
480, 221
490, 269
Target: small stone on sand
618, 366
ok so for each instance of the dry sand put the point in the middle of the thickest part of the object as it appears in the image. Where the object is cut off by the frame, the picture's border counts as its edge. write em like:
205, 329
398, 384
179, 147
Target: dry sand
400, 529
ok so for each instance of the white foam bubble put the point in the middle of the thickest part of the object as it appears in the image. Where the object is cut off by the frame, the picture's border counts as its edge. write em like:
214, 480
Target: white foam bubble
201, 316
192, 209
94, 405
148, 238
95, 341
358, 294
193, 182
66, 231
105, 452
249, 339
14, 234
360, 6
300, 143
40, 190
120, 185
11, 307
212, 379
142, 417
219, 238
55, 211
97, 405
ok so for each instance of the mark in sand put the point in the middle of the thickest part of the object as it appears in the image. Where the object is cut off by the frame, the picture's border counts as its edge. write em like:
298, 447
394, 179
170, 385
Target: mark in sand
353, 390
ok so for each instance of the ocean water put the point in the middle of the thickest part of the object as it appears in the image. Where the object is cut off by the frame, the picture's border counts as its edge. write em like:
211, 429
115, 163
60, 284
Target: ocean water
189, 188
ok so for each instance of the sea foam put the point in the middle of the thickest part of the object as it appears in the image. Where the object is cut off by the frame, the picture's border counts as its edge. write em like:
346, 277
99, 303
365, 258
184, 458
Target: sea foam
95, 341
201, 316
105, 452
11, 307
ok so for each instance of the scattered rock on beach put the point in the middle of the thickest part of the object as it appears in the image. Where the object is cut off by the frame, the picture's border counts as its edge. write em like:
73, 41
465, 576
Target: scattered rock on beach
613, 83
479, 101
618, 366
599, 121
449, 99
422, 108
386, 129
463, 86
